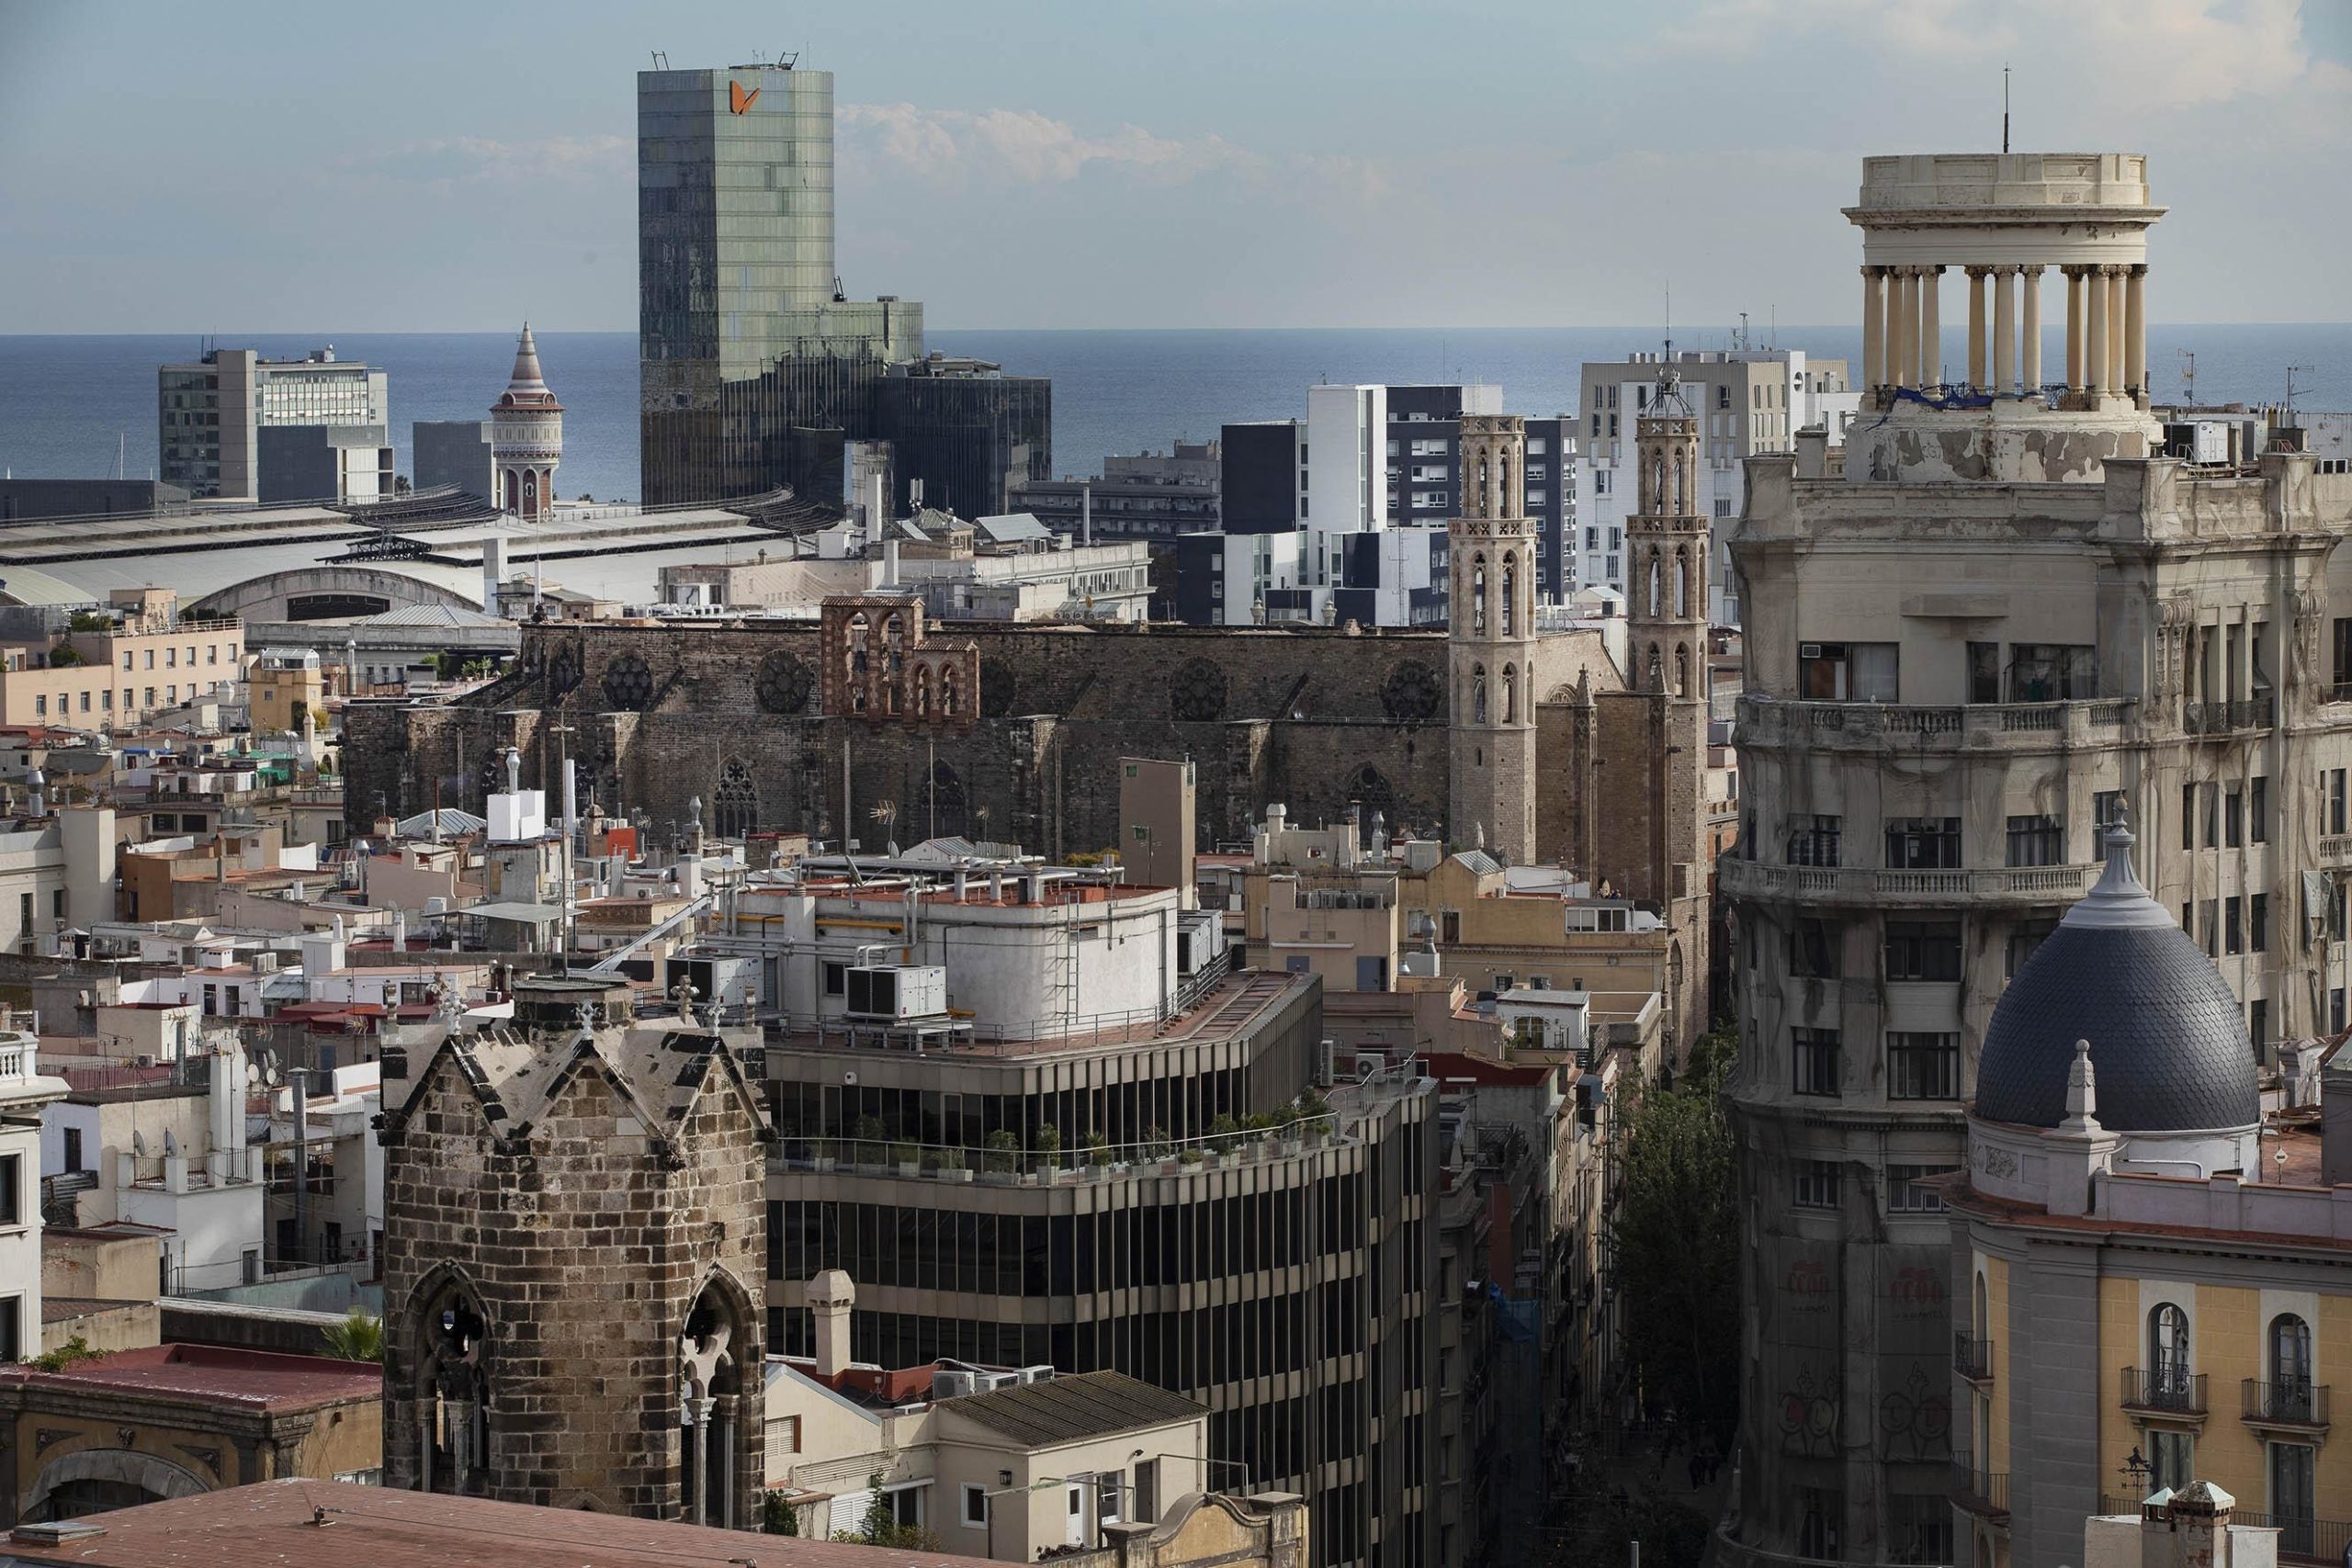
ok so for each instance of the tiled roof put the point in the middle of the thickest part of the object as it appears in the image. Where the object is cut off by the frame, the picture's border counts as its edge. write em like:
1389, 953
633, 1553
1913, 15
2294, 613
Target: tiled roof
1061, 1410
298, 1521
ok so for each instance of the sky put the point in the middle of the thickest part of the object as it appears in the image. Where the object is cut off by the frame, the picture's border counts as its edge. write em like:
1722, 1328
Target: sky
246, 167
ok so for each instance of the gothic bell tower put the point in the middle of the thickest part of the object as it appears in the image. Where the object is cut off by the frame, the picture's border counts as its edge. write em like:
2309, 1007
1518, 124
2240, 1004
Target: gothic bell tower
1666, 618
1490, 644
1666, 641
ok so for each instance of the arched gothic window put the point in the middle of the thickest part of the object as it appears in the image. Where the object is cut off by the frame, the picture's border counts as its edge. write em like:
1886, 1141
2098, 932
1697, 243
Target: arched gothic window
1681, 583
1511, 694
923, 691
1510, 584
1658, 483
736, 803
1681, 487
1478, 595
1477, 693
855, 659
1682, 669
453, 1394
1657, 675
951, 694
712, 1345
1657, 584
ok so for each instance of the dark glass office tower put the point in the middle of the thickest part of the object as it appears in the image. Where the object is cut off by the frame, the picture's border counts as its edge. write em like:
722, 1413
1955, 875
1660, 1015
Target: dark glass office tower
753, 368
967, 431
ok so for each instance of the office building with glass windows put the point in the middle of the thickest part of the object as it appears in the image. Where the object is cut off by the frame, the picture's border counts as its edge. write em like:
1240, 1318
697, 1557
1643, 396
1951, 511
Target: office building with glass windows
1069, 1134
754, 368
209, 413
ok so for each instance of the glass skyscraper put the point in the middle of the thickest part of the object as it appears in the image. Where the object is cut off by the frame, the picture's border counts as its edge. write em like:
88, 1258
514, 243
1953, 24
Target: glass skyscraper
754, 368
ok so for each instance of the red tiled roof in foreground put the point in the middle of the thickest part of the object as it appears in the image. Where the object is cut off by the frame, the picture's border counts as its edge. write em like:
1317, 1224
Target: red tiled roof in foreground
271, 1526
254, 1379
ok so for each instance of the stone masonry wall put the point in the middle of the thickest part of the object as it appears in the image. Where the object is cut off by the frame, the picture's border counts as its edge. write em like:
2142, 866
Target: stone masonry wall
586, 1250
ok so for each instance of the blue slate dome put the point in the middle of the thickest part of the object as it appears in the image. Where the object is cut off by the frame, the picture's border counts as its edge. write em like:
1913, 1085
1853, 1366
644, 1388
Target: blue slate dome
2166, 1036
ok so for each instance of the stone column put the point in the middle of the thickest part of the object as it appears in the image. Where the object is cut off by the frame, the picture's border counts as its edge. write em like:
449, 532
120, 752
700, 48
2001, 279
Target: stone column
1976, 327
1873, 324
2094, 364
1906, 325
2135, 335
2005, 332
1931, 331
2114, 330
698, 1424
2075, 327
2031, 328
726, 1461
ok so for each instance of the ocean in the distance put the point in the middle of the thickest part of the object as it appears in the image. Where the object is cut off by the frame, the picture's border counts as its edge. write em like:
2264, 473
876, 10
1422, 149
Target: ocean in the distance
70, 406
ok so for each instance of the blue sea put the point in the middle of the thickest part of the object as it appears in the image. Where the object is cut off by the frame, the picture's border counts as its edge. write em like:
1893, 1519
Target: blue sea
76, 406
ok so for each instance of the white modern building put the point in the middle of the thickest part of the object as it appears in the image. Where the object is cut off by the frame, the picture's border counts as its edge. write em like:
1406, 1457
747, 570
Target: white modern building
210, 412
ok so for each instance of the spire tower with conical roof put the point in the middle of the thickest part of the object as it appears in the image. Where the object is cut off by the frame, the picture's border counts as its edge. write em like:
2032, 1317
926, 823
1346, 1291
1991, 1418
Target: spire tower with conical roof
526, 435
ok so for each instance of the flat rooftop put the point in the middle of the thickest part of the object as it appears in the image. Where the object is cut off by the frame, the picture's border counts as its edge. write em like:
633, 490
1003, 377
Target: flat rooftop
281, 1524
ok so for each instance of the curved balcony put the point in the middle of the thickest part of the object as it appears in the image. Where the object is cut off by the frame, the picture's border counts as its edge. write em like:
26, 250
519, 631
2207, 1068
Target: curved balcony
1979, 727
2021, 887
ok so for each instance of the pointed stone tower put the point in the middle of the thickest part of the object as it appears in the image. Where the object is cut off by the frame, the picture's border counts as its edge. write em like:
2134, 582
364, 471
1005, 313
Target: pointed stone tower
1490, 643
574, 1258
1667, 631
526, 437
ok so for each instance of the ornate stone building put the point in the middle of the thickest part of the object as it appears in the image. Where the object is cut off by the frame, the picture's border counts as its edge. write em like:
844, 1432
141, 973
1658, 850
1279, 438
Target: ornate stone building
574, 1248
2007, 623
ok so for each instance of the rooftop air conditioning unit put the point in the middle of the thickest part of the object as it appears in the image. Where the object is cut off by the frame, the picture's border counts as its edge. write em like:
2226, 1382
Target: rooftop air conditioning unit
1036, 1375
897, 994
948, 1384
1808, 650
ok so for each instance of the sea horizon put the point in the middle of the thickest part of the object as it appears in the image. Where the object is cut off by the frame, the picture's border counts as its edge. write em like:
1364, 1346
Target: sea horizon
83, 405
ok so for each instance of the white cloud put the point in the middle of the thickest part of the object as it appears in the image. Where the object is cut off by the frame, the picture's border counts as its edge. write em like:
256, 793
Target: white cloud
1021, 146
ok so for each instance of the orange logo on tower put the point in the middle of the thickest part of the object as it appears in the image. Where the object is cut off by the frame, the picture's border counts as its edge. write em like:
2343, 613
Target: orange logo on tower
738, 100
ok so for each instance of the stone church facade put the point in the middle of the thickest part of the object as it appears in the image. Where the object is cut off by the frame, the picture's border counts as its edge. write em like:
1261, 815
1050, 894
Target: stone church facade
877, 724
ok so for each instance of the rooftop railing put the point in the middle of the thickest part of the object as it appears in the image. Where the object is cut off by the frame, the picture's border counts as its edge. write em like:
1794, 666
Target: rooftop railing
1089, 1162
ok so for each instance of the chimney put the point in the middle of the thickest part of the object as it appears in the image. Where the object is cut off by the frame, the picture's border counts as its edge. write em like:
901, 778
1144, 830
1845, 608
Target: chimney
493, 572
830, 1296
877, 511
890, 563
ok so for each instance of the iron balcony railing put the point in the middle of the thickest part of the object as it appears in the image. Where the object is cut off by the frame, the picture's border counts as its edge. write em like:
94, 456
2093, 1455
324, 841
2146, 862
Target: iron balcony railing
2290, 1402
1984, 1492
2175, 1390
1973, 1358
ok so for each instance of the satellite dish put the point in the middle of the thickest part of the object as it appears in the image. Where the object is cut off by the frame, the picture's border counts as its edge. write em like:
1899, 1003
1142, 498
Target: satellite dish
269, 1075
253, 1074
138, 1142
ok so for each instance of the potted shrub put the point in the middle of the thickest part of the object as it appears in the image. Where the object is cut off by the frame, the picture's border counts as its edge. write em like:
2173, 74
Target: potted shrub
1098, 1151
954, 1167
870, 1134
1156, 1144
1003, 1152
1048, 1144
821, 1154
905, 1156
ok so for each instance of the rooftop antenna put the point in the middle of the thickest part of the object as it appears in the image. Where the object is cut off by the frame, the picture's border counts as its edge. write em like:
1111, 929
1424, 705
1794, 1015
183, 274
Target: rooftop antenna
2292, 371
1743, 331
660, 60
2005, 108
2188, 376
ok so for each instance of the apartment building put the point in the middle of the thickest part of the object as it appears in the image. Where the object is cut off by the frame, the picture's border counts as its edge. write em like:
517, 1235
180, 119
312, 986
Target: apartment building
2153, 1276
2007, 624
119, 666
